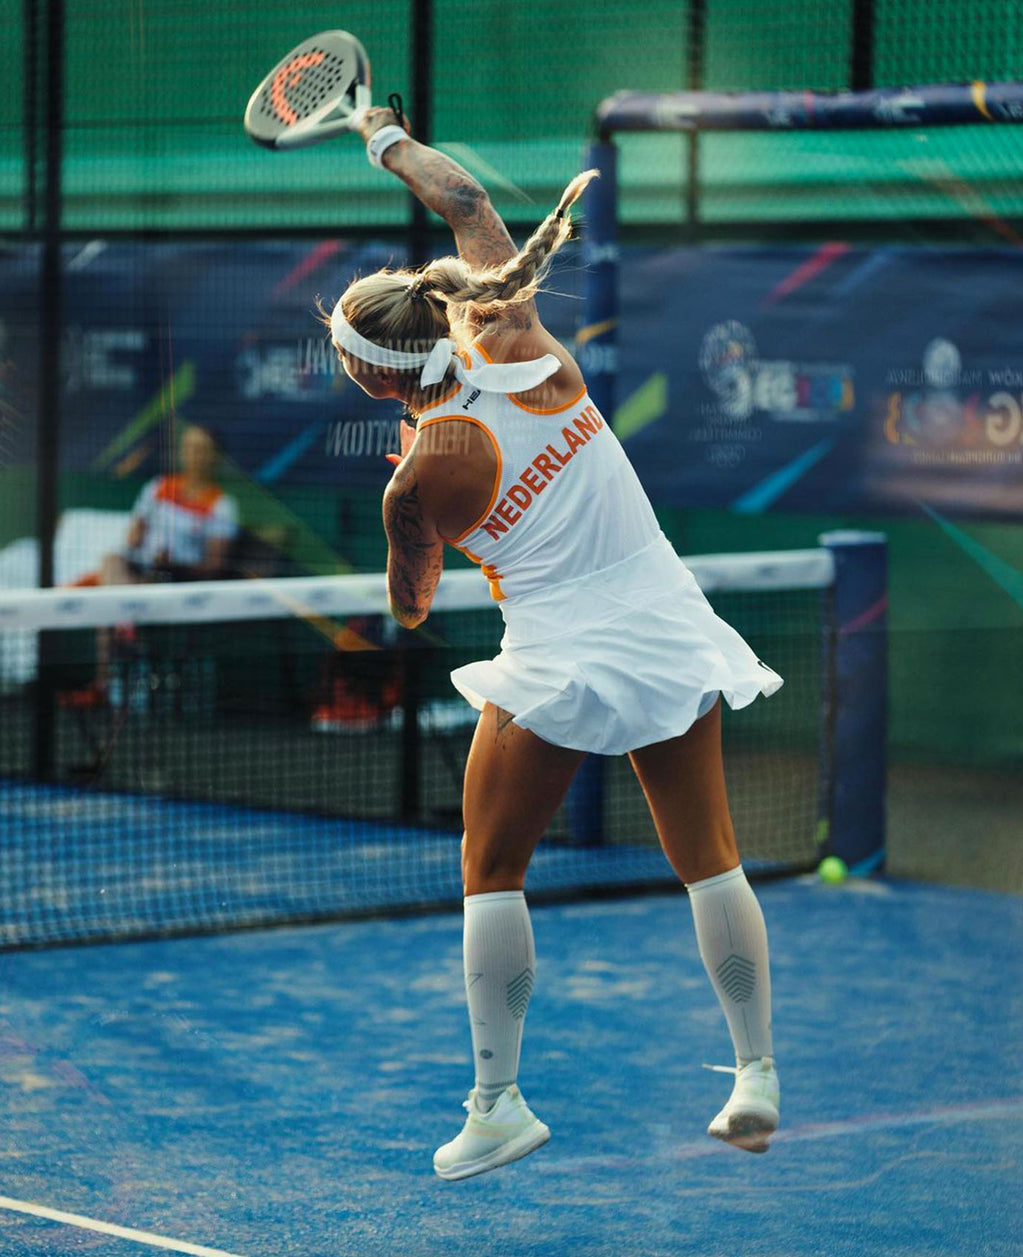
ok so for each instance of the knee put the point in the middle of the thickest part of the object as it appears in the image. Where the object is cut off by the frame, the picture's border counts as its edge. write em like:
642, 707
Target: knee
486, 868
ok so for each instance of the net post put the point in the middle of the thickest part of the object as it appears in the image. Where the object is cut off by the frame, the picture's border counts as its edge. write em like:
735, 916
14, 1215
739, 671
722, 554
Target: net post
596, 350
596, 337
51, 331
856, 654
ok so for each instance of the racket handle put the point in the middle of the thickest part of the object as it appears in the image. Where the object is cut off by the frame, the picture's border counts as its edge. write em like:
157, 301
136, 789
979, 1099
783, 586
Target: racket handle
313, 129
363, 100
297, 137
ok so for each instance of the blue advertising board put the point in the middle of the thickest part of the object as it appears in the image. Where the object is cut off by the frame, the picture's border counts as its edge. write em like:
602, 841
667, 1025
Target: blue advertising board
817, 378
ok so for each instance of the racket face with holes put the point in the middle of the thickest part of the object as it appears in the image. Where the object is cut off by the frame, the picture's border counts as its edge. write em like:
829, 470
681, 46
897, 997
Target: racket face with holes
311, 93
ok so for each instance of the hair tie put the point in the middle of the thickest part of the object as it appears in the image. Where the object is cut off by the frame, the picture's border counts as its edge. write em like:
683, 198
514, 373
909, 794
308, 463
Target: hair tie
417, 289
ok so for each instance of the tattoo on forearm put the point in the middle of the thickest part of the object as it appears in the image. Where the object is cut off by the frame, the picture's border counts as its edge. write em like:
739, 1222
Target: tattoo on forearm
449, 190
416, 556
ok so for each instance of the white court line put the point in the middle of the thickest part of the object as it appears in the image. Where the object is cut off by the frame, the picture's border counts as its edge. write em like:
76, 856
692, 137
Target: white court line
982, 1111
109, 1228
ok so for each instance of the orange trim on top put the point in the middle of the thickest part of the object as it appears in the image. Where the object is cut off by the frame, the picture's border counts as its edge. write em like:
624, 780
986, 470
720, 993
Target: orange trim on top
552, 410
490, 574
448, 396
497, 474
535, 410
441, 400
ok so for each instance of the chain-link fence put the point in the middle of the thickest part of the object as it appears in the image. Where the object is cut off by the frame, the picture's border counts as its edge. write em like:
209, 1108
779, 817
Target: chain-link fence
153, 95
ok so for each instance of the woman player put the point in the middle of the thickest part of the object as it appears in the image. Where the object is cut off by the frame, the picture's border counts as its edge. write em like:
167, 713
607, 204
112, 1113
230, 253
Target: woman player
609, 645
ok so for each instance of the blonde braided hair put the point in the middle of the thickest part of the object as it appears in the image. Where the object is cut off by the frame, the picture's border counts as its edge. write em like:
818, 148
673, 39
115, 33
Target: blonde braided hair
520, 277
410, 310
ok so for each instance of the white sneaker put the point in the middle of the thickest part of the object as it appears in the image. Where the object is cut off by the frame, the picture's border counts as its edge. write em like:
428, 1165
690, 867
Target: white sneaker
505, 1133
751, 1113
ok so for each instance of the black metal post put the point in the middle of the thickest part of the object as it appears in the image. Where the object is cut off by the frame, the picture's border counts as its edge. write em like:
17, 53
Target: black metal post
421, 80
697, 34
30, 95
51, 328
861, 73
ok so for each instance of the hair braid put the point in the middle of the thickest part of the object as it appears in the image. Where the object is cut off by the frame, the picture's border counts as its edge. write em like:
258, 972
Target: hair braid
520, 277
410, 310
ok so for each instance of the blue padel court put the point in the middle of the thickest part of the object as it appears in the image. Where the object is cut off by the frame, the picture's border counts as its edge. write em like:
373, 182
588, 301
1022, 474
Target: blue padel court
280, 1094
85, 866
714, 310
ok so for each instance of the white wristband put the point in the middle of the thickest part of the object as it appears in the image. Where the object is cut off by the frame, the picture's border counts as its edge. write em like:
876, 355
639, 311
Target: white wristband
380, 141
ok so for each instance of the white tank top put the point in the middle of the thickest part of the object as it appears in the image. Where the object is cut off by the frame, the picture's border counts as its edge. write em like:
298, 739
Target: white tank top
565, 500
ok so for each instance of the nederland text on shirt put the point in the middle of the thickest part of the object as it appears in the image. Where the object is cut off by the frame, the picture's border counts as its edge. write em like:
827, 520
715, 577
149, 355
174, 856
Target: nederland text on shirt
547, 464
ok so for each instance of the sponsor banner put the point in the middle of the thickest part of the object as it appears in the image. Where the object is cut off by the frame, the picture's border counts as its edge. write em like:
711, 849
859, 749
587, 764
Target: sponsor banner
826, 379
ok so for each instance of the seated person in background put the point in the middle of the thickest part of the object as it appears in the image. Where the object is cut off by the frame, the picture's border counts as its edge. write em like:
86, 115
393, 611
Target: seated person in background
182, 527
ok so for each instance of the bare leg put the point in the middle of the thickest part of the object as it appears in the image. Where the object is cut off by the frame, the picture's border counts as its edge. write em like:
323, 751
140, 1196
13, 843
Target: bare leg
684, 783
683, 779
514, 783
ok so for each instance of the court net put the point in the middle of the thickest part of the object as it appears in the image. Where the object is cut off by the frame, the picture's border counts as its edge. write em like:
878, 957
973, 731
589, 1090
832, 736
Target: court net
280, 751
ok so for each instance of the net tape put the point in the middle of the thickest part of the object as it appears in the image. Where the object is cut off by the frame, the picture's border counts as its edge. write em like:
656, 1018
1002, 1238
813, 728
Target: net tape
357, 594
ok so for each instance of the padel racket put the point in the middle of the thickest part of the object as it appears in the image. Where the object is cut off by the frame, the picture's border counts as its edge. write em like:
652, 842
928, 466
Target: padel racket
312, 93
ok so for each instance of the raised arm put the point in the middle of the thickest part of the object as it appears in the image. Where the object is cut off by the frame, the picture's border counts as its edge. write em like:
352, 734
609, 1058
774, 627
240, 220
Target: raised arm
450, 191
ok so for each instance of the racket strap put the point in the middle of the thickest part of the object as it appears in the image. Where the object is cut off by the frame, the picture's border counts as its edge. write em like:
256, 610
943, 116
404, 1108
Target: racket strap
395, 102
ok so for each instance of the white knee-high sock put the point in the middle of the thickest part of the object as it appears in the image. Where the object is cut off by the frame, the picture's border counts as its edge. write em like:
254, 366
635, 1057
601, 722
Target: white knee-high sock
500, 969
732, 939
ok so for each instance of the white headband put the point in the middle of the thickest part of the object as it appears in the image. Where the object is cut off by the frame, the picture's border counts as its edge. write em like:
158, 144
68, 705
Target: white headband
491, 377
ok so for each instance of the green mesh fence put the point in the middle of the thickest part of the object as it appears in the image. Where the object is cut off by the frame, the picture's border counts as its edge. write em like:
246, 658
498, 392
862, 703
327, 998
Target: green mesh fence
154, 136
967, 173
947, 40
528, 79
155, 92
772, 44
894, 178
12, 135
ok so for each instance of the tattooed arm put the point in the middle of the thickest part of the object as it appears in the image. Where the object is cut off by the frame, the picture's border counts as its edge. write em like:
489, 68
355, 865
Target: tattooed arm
415, 553
450, 191
513, 333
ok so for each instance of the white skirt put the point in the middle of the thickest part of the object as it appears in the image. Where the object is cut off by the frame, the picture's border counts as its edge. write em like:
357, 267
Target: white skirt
617, 659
